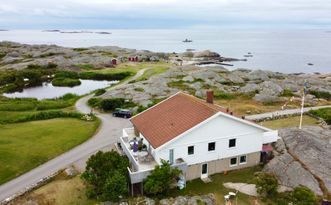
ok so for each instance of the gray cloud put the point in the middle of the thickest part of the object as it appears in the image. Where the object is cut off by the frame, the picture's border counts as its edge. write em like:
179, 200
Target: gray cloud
181, 12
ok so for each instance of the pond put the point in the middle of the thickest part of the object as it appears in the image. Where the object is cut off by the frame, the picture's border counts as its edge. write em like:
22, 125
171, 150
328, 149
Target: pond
47, 90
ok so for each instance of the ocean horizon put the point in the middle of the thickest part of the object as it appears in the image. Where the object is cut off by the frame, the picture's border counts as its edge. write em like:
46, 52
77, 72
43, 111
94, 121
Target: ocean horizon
280, 50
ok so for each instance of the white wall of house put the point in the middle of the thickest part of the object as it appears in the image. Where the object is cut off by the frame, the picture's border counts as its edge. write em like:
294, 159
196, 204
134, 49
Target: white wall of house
219, 129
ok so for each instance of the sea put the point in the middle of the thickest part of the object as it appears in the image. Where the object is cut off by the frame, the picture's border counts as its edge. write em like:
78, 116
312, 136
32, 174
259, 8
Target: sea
281, 50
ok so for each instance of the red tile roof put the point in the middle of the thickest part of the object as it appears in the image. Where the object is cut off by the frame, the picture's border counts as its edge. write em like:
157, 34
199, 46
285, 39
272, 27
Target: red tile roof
172, 117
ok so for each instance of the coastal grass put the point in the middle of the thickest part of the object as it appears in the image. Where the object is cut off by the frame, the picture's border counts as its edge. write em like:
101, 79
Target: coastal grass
324, 113
292, 121
65, 82
60, 191
24, 146
32, 104
198, 187
245, 105
153, 71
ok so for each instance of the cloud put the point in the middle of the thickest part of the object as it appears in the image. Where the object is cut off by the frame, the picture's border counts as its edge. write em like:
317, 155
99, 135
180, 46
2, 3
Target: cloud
158, 12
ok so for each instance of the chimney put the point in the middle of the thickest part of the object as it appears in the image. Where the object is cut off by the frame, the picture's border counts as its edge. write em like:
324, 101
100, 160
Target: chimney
210, 97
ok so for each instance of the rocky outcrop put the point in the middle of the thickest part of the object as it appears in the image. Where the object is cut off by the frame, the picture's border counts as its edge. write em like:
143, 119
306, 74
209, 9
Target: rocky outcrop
302, 157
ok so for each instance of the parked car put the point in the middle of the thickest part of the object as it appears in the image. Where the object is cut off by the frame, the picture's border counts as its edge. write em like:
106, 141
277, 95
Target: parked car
122, 113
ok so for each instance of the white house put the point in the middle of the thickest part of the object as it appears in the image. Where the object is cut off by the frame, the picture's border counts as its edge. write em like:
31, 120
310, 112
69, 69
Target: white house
197, 136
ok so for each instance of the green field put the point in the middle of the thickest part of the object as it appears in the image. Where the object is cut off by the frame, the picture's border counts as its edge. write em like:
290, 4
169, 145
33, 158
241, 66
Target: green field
197, 187
290, 122
24, 146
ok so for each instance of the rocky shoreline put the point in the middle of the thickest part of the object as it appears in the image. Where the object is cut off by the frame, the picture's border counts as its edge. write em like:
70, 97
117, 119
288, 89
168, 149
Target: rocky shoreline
262, 86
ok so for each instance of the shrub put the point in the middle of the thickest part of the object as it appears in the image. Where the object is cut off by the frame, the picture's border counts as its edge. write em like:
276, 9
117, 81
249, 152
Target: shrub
94, 102
99, 92
160, 179
106, 176
105, 76
65, 82
324, 113
113, 103
45, 115
303, 196
266, 184
18, 104
115, 187
287, 93
321, 94
66, 74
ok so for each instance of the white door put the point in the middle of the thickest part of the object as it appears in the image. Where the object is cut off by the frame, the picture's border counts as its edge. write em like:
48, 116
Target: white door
204, 170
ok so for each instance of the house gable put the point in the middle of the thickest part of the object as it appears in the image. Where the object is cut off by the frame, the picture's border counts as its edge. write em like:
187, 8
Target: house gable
219, 129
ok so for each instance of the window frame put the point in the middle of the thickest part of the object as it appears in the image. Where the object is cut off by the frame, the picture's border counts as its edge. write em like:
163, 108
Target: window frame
245, 159
235, 143
233, 165
213, 150
188, 149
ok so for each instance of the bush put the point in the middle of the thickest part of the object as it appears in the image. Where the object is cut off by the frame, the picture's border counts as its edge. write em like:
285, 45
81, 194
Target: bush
266, 184
321, 94
303, 196
18, 104
115, 187
160, 179
287, 93
66, 74
65, 82
324, 113
113, 103
107, 176
94, 102
44, 115
104, 76
99, 92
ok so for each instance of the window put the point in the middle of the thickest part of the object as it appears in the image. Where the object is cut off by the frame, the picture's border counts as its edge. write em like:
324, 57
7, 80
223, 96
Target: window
211, 146
190, 150
233, 162
232, 143
171, 156
243, 159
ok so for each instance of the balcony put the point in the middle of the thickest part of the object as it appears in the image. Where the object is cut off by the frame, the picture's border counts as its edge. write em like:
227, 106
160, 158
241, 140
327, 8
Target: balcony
135, 149
142, 162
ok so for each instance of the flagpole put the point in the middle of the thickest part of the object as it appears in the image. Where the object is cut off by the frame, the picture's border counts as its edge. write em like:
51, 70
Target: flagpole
302, 104
305, 89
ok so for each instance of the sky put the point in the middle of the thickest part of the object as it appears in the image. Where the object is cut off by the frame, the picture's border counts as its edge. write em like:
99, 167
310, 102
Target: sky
126, 14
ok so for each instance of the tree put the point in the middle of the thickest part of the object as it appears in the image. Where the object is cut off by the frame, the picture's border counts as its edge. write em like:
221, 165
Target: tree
115, 187
160, 179
266, 184
100, 173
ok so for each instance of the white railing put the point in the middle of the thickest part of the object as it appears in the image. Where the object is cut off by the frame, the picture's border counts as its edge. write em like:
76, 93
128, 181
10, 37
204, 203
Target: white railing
128, 153
269, 137
139, 176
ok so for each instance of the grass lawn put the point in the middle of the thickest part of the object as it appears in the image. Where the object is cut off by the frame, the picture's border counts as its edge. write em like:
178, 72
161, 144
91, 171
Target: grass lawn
152, 71
241, 105
24, 146
289, 122
197, 187
60, 191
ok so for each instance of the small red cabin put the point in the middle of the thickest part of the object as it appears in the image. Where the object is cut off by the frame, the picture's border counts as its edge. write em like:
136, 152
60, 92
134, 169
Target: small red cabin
114, 61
